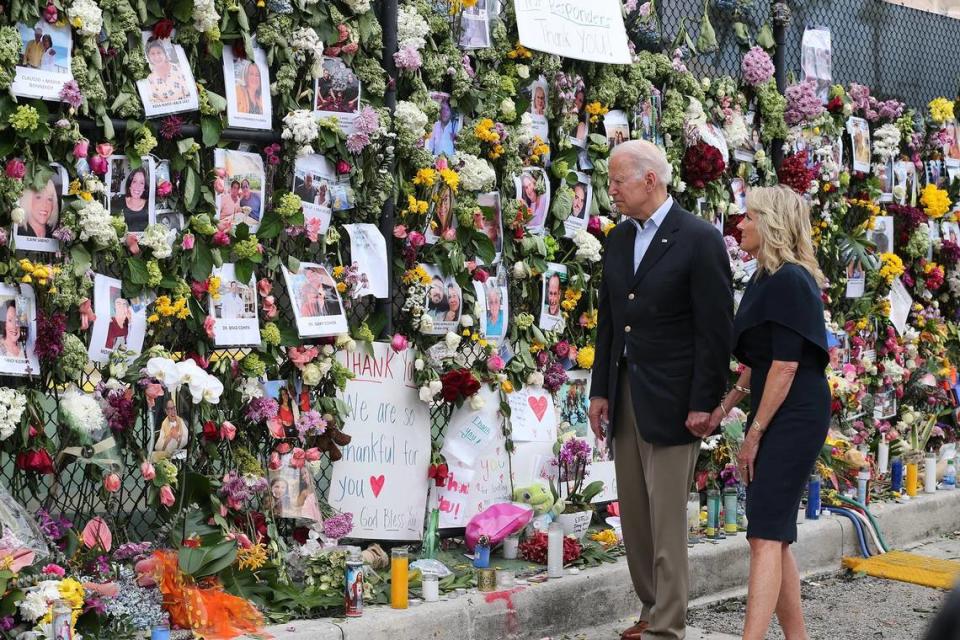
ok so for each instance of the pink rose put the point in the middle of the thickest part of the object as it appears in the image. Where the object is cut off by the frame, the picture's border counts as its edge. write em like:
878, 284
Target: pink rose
221, 239
416, 239
208, 326
167, 498
400, 232
187, 241
153, 391
16, 169
343, 167
399, 342
298, 458
283, 448
312, 454
111, 482
350, 48
50, 13
228, 431
104, 149
302, 356
495, 363
264, 287
133, 244
80, 148
449, 234
54, 570
480, 275
269, 307
165, 188
146, 468
99, 165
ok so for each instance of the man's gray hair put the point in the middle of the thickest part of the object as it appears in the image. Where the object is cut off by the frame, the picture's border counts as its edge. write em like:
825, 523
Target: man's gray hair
645, 156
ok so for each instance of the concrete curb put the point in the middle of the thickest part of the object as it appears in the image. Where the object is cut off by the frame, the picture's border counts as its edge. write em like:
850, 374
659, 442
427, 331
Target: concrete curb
601, 595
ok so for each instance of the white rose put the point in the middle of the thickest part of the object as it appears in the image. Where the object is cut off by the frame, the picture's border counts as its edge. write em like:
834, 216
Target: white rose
899, 191
425, 394
435, 386
466, 320
418, 364
18, 215
452, 340
327, 350
476, 402
523, 71
535, 379
426, 324
325, 366
520, 270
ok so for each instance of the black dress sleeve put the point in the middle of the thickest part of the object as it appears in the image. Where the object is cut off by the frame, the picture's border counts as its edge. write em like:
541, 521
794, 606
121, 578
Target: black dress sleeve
786, 344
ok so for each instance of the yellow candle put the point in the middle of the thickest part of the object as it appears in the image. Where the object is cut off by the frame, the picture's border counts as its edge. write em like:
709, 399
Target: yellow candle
399, 577
912, 479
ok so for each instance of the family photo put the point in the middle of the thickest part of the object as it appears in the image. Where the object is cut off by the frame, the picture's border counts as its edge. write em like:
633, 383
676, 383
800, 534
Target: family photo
616, 127
170, 86
234, 312
131, 192
45, 59
444, 303
551, 314
337, 93
293, 491
317, 305
247, 88
533, 190
240, 195
646, 119
313, 177
41, 212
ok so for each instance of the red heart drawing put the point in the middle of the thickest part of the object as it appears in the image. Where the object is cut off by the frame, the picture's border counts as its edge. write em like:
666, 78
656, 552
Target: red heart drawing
539, 406
376, 483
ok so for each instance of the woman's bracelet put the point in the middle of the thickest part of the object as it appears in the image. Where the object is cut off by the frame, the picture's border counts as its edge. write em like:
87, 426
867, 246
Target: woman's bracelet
723, 408
744, 390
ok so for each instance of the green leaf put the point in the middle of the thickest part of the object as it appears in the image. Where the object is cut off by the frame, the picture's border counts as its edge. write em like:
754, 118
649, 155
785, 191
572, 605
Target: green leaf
191, 190
293, 265
270, 226
217, 101
707, 40
591, 490
765, 37
202, 261
741, 33
185, 145
182, 10
243, 270
211, 128
138, 271
204, 561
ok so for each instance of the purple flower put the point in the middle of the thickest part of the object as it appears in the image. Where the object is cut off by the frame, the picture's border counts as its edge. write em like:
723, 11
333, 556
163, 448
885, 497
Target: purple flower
574, 450
803, 105
170, 127
7, 623
367, 121
237, 490
357, 142
262, 409
554, 377
94, 604
757, 67
311, 422
63, 234
49, 344
53, 528
131, 551
338, 526
70, 93
407, 59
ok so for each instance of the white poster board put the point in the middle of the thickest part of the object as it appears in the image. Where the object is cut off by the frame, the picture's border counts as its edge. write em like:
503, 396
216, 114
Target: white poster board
382, 477
532, 415
592, 31
470, 432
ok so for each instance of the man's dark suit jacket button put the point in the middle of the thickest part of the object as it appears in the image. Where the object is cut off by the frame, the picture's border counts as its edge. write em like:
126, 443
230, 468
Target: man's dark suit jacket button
631, 297
626, 329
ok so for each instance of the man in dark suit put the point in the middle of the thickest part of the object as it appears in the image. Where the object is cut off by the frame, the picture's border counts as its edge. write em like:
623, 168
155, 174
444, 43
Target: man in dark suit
664, 335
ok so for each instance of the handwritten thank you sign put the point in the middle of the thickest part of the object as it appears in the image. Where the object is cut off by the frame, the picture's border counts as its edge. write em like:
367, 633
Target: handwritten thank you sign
591, 31
382, 477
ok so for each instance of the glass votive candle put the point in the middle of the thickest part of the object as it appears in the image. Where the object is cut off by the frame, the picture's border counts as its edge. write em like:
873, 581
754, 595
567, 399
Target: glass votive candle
511, 545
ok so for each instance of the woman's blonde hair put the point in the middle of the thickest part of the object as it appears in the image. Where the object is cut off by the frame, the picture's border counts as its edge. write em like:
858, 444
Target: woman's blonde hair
783, 221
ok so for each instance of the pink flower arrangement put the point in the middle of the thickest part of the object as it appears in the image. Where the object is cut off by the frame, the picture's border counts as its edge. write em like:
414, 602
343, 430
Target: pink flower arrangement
399, 342
803, 105
408, 59
757, 67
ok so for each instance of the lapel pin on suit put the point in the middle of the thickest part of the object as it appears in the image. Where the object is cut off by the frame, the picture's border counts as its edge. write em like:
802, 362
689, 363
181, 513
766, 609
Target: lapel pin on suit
663, 240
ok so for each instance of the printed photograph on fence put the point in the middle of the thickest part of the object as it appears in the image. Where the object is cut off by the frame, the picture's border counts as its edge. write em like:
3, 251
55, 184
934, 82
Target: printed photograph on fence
739, 190
441, 220
117, 325
951, 151
838, 346
342, 196
571, 402
905, 182
444, 132
316, 303
492, 297
856, 279
130, 192
240, 190
934, 172
313, 176
368, 251
884, 174
169, 87
550, 312
44, 65
578, 135
539, 93
580, 207
950, 232
171, 431
293, 491
859, 132
646, 119
247, 85
474, 26
234, 311
17, 355
885, 404
444, 302
164, 205
287, 410
533, 190
616, 127
746, 151
41, 212
882, 234
489, 218
337, 93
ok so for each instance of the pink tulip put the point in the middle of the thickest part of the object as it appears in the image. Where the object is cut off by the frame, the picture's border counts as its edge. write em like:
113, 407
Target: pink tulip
400, 232
111, 483
106, 590
187, 241
99, 165
80, 148
146, 468
228, 431
416, 239
208, 326
399, 342
167, 498
16, 169
104, 149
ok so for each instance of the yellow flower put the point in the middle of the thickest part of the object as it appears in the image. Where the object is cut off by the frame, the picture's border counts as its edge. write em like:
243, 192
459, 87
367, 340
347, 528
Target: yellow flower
520, 52
26, 279
214, 287
342, 287
507, 386
935, 201
252, 558
72, 592
153, 318
338, 272
891, 267
450, 178
595, 110
537, 347
607, 537
426, 177
483, 343
585, 357
590, 319
941, 110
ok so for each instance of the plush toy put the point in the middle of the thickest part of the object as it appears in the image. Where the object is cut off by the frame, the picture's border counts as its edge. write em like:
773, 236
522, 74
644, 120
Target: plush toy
545, 507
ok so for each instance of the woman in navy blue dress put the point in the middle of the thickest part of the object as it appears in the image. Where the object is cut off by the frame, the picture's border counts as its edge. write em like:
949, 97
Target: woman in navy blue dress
780, 338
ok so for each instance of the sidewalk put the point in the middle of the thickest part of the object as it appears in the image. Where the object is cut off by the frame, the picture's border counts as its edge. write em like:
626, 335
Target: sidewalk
598, 596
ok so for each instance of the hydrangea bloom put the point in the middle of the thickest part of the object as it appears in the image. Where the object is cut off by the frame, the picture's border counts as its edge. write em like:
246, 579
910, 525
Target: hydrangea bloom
803, 105
757, 67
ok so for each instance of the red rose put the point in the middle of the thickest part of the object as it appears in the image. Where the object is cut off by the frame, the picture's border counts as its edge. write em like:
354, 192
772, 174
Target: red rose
343, 167
835, 105
38, 461
301, 534
210, 431
163, 29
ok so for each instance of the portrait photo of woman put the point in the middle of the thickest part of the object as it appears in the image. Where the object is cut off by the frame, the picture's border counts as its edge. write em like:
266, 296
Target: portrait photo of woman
134, 201
170, 86
119, 323
11, 344
41, 211
249, 89
444, 219
529, 192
